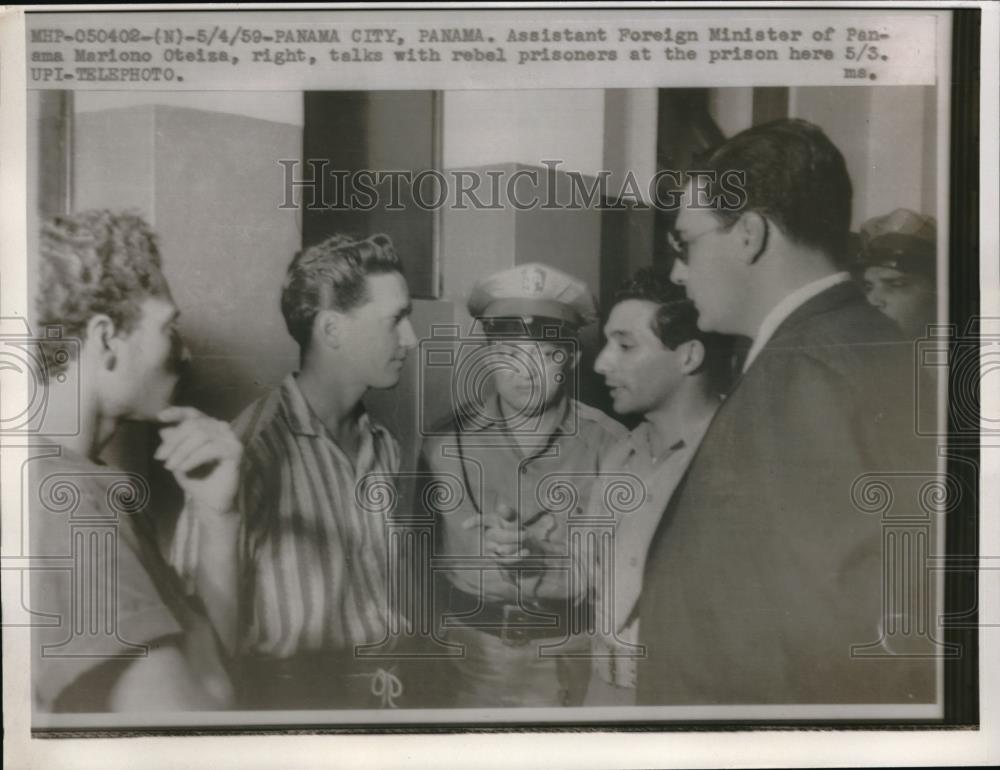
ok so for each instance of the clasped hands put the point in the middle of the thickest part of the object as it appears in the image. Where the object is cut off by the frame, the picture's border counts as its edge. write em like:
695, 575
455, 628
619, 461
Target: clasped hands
506, 538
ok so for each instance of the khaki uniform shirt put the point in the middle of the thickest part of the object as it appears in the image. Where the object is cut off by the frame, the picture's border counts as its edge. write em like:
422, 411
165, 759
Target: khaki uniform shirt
484, 467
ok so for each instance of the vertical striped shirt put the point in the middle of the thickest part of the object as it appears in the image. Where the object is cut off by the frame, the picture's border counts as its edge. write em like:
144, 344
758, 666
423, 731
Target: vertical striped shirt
314, 575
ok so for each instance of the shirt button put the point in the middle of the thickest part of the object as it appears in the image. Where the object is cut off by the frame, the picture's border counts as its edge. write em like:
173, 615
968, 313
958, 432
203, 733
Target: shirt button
524, 470
633, 562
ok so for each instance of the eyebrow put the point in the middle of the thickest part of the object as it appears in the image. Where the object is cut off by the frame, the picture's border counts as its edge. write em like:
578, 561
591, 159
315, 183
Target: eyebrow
404, 311
618, 333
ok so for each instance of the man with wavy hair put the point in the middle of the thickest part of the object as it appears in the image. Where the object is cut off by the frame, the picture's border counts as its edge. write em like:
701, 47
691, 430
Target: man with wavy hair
314, 582
127, 637
658, 366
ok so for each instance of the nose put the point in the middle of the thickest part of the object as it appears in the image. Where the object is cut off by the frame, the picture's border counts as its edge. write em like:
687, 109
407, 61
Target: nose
180, 354
876, 298
601, 362
407, 337
678, 273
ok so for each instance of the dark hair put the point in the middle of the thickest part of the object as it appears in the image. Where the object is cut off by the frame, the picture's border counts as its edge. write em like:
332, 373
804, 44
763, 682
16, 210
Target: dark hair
93, 262
791, 173
332, 275
676, 322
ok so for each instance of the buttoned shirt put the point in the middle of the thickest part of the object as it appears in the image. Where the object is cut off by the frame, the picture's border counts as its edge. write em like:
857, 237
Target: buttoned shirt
542, 474
632, 457
314, 571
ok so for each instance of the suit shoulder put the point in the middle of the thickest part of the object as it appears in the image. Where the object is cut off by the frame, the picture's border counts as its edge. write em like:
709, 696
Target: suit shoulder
849, 324
852, 339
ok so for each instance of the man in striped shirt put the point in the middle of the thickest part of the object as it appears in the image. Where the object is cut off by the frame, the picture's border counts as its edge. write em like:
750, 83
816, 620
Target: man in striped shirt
315, 560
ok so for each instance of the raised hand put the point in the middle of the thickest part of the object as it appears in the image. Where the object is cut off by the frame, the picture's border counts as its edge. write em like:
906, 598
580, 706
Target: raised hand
204, 456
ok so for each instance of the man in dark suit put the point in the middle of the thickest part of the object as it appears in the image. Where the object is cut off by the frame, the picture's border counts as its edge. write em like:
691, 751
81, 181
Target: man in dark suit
764, 581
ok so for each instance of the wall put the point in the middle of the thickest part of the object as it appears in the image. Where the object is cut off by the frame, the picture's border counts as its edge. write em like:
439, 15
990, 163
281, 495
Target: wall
888, 137
630, 118
731, 109
482, 128
275, 106
208, 183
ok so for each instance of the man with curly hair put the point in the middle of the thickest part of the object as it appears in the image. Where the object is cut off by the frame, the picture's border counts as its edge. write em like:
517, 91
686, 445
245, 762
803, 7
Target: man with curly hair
126, 637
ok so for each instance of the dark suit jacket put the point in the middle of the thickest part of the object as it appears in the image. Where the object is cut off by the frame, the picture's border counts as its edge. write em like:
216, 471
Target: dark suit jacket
763, 573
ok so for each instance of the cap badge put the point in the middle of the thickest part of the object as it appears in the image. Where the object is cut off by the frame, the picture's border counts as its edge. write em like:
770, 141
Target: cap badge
533, 280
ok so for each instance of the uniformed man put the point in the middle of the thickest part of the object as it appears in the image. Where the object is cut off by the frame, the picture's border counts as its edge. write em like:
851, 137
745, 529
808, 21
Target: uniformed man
898, 266
526, 452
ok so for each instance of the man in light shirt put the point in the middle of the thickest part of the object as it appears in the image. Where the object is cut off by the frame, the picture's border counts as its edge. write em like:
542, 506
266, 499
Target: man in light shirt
659, 366
764, 581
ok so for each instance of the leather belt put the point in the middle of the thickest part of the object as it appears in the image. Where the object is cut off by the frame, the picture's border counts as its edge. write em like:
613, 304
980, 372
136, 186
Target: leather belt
515, 625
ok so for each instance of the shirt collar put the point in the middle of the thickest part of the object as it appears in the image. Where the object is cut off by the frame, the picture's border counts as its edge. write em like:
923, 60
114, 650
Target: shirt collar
786, 307
567, 424
302, 420
638, 438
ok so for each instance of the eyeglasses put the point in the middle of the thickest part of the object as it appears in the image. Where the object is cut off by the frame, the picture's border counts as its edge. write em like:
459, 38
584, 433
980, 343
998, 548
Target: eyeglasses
681, 245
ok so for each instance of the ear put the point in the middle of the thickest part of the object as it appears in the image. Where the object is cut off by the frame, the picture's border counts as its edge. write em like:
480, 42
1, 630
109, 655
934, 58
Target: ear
694, 356
103, 337
752, 231
328, 327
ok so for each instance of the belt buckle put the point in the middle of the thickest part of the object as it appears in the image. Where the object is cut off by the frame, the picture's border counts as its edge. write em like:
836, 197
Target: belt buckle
514, 634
